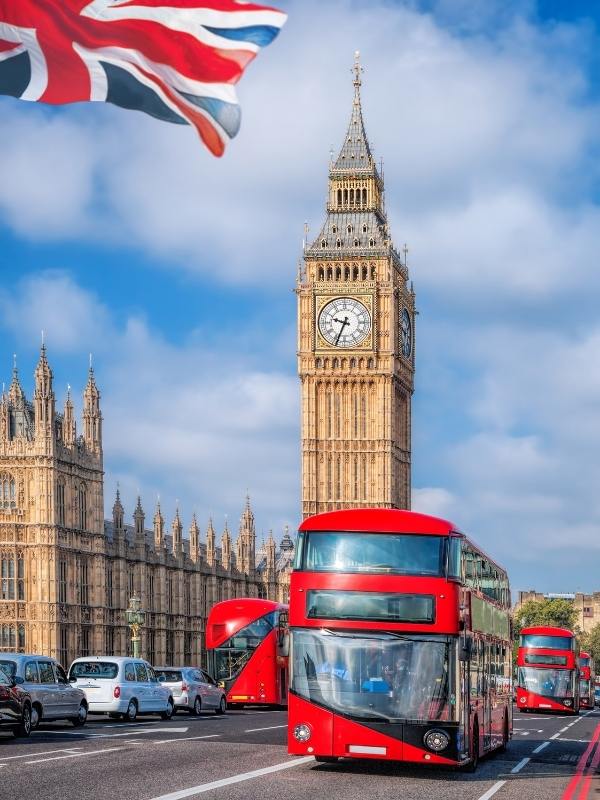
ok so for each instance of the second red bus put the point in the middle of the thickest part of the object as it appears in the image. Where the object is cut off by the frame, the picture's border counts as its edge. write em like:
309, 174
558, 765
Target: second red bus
246, 642
548, 671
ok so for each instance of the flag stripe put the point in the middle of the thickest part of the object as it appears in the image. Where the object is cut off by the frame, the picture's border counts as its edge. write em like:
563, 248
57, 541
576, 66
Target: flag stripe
260, 35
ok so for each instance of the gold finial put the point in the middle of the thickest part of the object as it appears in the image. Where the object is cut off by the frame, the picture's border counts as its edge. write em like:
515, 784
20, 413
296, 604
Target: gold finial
357, 69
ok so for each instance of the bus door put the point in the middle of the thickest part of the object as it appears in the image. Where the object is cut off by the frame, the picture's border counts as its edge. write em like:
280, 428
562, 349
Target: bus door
487, 692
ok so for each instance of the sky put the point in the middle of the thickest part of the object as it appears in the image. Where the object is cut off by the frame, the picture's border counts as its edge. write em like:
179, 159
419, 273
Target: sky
121, 236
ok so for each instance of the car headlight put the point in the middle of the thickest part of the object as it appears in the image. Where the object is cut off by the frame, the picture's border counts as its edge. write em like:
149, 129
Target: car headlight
436, 740
302, 733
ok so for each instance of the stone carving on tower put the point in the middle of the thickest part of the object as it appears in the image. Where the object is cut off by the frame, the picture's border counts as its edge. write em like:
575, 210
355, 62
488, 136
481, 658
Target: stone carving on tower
356, 315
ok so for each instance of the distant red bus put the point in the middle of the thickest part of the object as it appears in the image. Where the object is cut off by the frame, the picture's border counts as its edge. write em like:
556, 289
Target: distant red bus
399, 641
548, 674
246, 642
586, 680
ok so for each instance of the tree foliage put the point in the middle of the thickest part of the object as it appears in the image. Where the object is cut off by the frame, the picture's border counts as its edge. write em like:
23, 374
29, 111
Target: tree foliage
591, 643
557, 612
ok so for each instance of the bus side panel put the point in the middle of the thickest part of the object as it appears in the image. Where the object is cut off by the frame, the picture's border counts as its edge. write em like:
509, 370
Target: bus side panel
320, 722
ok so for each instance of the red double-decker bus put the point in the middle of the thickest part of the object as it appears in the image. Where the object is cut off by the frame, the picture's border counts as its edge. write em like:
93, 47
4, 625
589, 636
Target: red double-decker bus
246, 642
586, 680
400, 641
548, 675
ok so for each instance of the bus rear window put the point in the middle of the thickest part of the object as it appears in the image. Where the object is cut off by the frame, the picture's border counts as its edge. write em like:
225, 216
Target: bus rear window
380, 606
398, 553
549, 642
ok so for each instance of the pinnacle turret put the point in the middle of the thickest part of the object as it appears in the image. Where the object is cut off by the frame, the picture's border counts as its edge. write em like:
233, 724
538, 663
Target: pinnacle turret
159, 529
355, 153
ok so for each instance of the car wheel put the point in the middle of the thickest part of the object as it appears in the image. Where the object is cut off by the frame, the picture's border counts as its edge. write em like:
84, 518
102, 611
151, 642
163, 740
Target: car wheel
24, 729
222, 707
36, 716
169, 710
81, 718
197, 709
131, 712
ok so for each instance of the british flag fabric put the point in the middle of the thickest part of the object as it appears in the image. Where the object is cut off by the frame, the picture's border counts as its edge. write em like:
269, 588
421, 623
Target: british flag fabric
178, 60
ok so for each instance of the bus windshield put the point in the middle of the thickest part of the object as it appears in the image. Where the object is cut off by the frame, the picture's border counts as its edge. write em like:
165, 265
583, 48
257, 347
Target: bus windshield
232, 656
376, 676
399, 553
549, 642
547, 682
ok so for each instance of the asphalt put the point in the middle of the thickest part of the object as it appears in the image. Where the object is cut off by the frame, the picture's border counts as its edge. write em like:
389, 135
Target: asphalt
219, 757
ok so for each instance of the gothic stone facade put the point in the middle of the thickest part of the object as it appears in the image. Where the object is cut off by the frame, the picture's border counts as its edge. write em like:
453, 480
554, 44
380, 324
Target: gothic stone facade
356, 315
66, 574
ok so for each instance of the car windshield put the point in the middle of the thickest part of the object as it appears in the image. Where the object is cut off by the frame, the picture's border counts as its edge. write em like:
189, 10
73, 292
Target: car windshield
376, 676
398, 553
169, 675
94, 669
9, 668
547, 682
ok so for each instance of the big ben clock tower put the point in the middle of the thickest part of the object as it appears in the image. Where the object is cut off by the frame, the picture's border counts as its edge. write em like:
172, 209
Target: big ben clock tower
356, 339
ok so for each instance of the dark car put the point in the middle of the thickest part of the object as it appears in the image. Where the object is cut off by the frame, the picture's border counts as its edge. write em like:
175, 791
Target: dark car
15, 706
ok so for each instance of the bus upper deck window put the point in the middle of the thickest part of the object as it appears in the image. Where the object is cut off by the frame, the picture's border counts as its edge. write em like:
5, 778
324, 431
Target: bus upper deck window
454, 551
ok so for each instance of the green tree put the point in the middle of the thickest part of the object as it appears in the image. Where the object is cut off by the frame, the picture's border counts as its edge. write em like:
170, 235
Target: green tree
557, 612
592, 645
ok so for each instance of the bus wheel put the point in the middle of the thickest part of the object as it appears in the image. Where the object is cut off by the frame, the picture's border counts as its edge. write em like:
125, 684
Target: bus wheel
327, 759
474, 762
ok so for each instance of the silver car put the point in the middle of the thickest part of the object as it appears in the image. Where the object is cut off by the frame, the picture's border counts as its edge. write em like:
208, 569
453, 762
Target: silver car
52, 696
193, 689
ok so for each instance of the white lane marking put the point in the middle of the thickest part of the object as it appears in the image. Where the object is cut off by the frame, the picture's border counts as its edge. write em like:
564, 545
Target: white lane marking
84, 735
244, 776
520, 765
492, 791
562, 730
186, 738
43, 753
270, 728
556, 735
540, 747
75, 755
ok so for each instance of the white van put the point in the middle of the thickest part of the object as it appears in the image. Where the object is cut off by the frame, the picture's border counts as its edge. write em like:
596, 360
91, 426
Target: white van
121, 687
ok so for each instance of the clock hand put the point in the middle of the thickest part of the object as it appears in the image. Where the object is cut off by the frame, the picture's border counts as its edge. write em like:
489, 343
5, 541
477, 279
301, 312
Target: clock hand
344, 323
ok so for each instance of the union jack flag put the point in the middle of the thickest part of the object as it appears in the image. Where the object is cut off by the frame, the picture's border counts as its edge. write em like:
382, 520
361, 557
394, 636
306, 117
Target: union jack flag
178, 60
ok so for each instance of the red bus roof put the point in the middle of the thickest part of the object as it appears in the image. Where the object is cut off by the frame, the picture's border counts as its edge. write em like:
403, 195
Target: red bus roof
583, 654
378, 520
546, 630
230, 616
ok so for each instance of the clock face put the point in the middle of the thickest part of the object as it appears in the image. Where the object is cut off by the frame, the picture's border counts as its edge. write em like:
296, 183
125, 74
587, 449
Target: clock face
344, 322
405, 334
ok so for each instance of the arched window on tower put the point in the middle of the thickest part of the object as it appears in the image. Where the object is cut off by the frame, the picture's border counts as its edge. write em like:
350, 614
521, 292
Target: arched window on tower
345, 197
364, 197
338, 273
351, 197
329, 273
349, 228
338, 242
355, 273
356, 243
347, 273
364, 228
82, 507
323, 243
339, 197
373, 273
365, 273
371, 242
8, 493
321, 274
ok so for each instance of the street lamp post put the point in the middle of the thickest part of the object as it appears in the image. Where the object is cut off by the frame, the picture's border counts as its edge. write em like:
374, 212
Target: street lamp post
135, 619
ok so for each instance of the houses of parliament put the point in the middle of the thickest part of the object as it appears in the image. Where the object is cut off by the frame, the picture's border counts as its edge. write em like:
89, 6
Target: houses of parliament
67, 574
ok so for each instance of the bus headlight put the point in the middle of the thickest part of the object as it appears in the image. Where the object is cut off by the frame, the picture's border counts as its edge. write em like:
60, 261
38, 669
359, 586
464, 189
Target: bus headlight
302, 733
568, 702
436, 740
